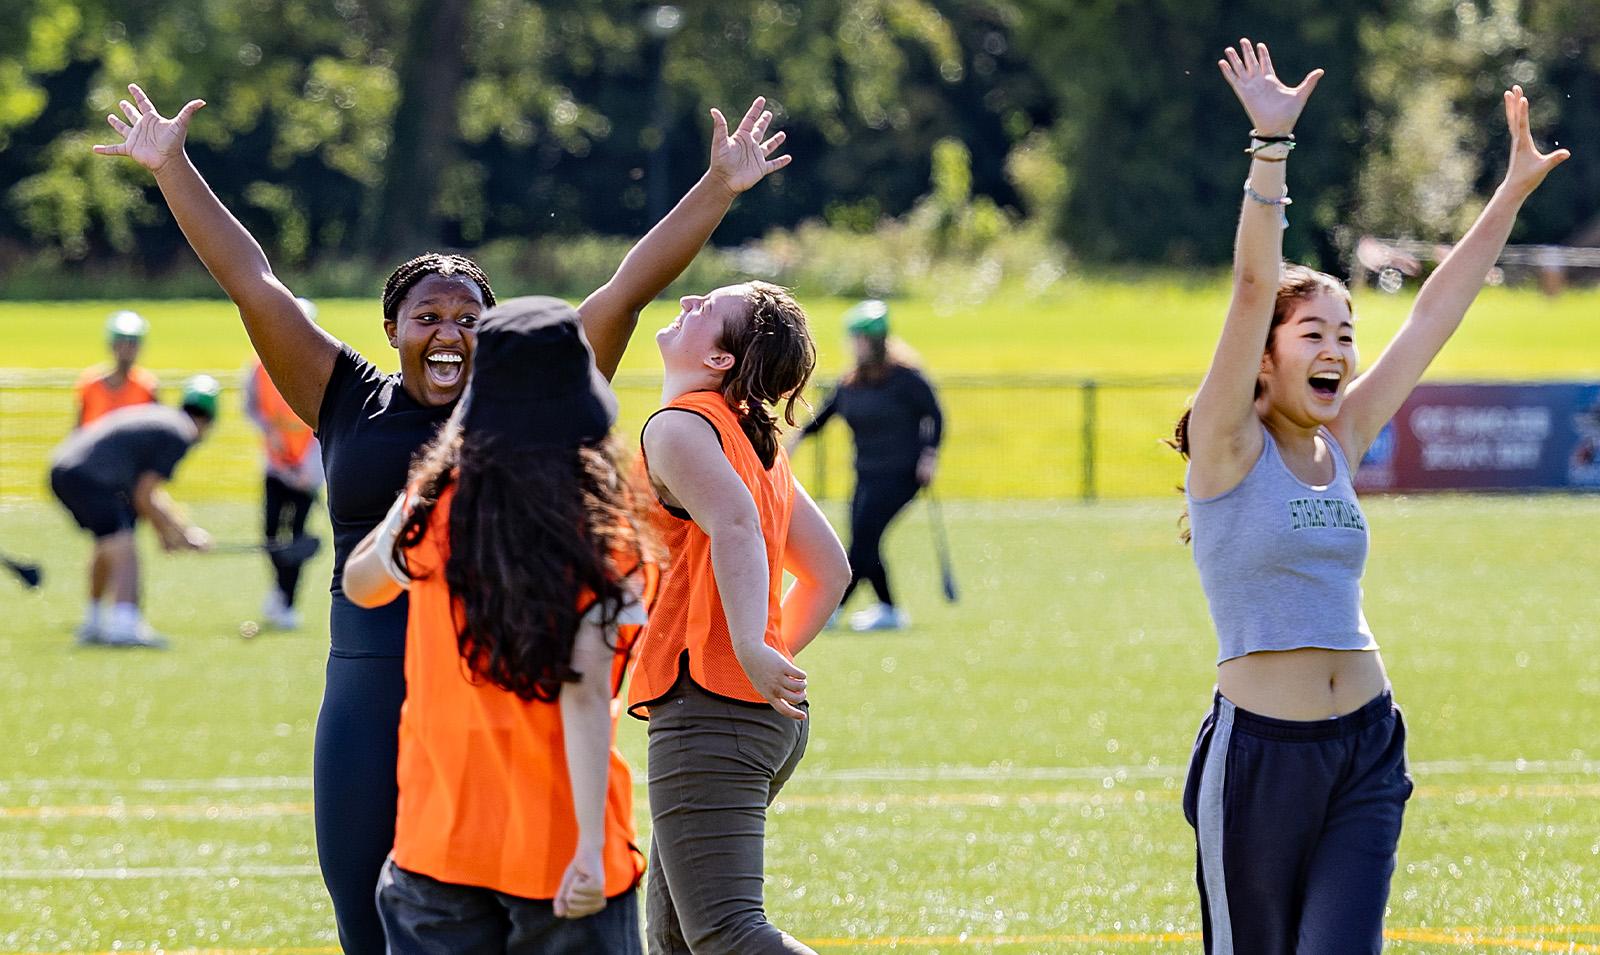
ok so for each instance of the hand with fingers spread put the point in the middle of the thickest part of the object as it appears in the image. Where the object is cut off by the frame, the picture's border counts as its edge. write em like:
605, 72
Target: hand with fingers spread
745, 158
1272, 106
152, 140
1528, 165
779, 682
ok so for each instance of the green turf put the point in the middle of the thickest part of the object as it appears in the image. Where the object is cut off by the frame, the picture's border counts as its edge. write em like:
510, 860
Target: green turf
1009, 768
1011, 434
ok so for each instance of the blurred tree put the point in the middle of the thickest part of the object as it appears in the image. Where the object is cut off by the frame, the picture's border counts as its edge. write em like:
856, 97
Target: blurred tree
1152, 136
1438, 69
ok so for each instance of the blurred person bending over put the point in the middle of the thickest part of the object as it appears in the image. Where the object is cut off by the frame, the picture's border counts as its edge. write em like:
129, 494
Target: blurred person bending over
895, 419
103, 389
109, 475
293, 476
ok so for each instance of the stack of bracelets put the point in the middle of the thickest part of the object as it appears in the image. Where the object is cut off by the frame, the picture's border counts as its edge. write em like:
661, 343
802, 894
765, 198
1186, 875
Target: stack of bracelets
1270, 149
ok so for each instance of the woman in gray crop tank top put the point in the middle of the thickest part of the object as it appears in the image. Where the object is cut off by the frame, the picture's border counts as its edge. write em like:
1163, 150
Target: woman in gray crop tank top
1298, 781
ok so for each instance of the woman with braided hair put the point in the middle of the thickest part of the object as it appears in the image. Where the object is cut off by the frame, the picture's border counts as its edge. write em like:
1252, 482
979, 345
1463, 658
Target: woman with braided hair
370, 424
716, 677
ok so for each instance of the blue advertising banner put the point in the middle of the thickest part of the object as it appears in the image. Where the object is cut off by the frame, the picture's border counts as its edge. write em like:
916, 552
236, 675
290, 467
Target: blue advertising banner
1489, 436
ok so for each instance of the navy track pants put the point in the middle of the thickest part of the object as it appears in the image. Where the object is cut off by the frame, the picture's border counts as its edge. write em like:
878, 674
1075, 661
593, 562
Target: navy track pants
1297, 825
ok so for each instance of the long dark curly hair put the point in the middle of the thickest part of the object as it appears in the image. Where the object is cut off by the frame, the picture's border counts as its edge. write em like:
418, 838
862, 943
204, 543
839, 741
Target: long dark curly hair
531, 532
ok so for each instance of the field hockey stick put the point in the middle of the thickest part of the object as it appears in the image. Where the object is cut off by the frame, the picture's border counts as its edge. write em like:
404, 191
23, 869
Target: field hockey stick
295, 551
28, 573
941, 547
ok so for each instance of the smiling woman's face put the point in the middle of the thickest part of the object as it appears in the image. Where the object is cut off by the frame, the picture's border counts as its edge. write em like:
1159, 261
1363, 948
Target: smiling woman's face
1312, 359
435, 330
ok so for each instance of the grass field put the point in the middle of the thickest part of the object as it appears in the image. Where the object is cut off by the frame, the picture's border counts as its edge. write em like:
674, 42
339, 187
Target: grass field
1002, 778
1011, 435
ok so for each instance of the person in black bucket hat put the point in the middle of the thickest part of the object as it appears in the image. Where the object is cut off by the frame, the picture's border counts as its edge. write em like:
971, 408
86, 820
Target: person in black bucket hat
534, 380
516, 542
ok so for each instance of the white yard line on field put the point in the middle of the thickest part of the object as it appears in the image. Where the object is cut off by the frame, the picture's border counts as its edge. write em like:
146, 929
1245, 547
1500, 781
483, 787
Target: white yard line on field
885, 774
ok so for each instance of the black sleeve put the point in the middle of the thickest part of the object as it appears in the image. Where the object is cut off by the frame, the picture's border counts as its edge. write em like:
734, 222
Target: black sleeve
829, 407
348, 385
927, 405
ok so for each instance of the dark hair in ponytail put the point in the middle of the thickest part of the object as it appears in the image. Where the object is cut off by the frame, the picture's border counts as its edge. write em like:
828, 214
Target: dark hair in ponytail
530, 531
773, 358
1296, 284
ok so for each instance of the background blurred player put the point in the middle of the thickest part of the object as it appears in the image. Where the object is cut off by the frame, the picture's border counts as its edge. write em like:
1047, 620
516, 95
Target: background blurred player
108, 475
895, 419
103, 389
293, 475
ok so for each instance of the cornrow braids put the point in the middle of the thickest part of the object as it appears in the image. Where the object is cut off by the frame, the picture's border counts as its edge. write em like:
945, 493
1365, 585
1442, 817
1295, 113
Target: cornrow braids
774, 357
431, 263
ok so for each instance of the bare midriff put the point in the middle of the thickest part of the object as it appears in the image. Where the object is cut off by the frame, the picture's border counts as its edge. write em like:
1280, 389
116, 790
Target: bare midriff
1305, 684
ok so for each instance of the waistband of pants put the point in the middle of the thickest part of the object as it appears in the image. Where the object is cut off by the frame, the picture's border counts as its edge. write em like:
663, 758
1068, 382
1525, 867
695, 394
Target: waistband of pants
1375, 710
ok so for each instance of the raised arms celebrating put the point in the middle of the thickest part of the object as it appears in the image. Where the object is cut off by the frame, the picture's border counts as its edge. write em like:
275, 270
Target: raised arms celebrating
1223, 434
1449, 291
297, 354
738, 161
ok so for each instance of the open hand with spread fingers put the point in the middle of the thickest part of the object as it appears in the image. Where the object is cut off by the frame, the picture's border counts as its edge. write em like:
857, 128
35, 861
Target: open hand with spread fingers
744, 158
1272, 106
151, 140
1528, 165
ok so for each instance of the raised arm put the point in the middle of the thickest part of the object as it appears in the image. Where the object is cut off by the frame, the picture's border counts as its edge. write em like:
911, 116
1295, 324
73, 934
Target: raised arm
1223, 436
686, 460
738, 162
297, 354
1376, 396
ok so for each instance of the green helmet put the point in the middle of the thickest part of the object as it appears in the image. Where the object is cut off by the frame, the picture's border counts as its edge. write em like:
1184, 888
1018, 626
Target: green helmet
126, 325
869, 318
200, 395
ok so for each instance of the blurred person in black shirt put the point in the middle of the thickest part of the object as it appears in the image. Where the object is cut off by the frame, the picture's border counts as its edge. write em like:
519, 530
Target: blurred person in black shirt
109, 475
895, 419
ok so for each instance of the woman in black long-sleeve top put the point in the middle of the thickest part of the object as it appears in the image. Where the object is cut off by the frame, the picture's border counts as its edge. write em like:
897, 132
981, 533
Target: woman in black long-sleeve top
895, 419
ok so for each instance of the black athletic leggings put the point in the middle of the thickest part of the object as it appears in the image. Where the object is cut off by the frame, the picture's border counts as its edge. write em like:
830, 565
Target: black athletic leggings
357, 744
286, 510
878, 499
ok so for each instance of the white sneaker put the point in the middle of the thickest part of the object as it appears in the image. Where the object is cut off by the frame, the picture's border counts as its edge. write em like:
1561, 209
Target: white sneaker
277, 614
879, 617
89, 634
142, 635
833, 619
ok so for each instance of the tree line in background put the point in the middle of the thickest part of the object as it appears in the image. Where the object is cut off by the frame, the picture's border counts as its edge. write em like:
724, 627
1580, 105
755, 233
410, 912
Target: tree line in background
366, 130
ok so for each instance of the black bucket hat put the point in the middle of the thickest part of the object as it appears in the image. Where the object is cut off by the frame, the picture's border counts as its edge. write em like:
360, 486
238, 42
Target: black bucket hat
534, 379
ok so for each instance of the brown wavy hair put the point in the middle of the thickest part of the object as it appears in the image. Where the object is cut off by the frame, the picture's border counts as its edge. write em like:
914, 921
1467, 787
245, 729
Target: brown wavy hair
773, 358
531, 532
1295, 285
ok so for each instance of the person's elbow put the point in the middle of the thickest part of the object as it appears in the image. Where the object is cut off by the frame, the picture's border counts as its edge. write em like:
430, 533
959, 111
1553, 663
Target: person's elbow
365, 582
837, 573
368, 594
742, 525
